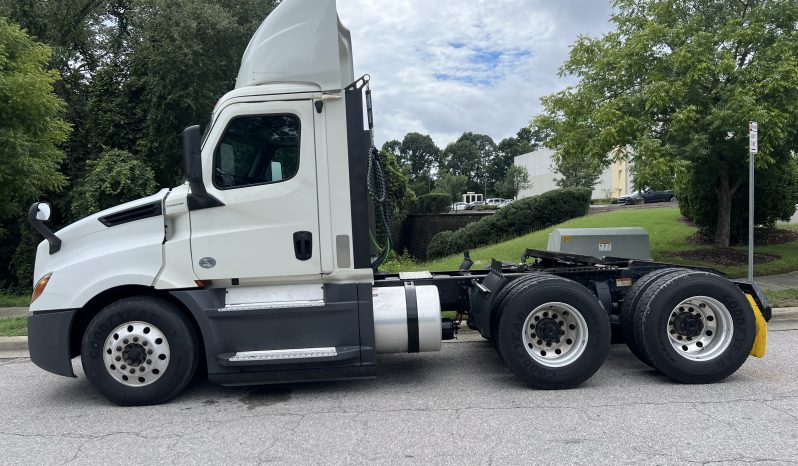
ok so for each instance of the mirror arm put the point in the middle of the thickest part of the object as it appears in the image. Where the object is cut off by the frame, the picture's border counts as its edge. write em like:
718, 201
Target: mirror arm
199, 198
38, 225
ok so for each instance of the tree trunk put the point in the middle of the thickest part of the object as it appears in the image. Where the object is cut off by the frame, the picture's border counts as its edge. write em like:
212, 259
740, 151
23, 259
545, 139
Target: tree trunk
724, 193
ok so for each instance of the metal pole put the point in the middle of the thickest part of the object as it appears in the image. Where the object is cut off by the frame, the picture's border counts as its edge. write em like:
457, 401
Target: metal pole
750, 216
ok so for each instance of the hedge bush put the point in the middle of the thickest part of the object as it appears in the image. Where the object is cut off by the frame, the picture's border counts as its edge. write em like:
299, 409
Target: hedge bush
439, 244
432, 203
516, 219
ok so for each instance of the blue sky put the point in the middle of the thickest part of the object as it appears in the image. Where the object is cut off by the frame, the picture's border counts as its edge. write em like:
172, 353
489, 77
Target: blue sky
444, 67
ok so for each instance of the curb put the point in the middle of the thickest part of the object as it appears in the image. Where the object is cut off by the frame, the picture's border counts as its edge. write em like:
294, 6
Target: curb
21, 343
13, 343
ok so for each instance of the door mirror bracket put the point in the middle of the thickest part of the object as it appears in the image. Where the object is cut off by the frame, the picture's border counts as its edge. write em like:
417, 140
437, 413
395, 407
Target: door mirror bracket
199, 198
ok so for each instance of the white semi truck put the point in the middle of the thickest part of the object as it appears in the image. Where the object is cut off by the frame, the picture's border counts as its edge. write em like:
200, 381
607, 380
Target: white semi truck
262, 267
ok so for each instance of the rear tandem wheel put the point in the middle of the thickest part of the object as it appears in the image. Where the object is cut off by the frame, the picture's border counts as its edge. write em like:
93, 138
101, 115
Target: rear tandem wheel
695, 327
553, 332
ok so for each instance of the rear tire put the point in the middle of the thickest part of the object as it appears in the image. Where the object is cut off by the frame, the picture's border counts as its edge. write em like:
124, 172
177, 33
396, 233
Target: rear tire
139, 351
631, 307
544, 352
695, 327
498, 300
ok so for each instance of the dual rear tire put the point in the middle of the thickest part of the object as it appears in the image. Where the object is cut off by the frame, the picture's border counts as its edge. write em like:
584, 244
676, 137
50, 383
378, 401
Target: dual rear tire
695, 327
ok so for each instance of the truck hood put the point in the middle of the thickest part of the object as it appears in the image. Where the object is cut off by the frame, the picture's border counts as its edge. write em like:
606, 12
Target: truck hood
91, 225
121, 244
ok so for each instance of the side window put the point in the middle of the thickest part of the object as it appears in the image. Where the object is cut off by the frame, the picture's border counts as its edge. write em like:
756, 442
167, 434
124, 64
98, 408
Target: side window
257, 149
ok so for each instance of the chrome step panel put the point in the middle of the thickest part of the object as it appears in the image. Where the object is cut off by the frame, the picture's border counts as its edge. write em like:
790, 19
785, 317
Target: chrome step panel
273, 297
289, 356
299, 353
271, 305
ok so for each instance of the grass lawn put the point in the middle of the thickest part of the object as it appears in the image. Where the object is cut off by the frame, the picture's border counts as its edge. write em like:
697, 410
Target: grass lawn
783, 298
667, 232
7, 300
13, 326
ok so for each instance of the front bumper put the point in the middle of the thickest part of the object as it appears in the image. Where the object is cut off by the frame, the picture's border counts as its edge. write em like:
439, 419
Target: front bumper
48, 340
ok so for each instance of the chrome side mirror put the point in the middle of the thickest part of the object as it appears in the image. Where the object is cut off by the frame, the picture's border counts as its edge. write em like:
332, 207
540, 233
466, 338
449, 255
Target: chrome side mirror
39, 213
43, 212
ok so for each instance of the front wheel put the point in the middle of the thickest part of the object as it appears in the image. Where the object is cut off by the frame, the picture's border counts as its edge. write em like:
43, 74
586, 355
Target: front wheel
553, 333
139, 351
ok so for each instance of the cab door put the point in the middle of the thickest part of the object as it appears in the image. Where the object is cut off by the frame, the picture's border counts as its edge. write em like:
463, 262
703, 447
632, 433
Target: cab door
259, 160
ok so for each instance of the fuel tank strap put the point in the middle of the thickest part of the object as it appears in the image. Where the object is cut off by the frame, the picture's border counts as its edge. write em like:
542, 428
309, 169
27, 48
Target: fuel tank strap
412, 317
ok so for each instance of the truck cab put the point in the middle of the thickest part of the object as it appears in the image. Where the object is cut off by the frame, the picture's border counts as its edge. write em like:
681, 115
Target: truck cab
264, 253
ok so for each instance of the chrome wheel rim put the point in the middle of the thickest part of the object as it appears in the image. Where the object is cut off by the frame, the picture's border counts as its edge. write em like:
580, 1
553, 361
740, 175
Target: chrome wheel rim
136, 354
555, 334
700, 328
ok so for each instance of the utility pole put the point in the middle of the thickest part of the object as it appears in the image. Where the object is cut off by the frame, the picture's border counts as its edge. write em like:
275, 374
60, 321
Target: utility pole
753, 149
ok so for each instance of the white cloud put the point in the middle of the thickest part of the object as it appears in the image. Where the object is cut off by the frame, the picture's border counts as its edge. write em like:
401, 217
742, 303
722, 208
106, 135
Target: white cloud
444, 67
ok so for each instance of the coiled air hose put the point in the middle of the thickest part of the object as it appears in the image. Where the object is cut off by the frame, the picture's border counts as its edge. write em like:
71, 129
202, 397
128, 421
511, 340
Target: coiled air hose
378, 192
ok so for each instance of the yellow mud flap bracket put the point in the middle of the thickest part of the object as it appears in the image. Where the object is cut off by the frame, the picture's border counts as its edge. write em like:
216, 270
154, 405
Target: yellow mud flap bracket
761, 340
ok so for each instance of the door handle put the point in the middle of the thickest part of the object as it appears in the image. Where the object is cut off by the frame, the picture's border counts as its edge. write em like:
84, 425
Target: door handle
303, 245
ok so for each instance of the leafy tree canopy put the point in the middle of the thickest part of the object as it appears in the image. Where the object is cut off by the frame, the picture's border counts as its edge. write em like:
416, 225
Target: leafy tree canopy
31, 127
453, 185
677, 82
471, 156
419, 152
515, 180
114, 178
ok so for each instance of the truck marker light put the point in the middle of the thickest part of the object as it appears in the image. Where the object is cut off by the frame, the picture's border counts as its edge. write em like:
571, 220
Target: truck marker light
40, 286
203, 283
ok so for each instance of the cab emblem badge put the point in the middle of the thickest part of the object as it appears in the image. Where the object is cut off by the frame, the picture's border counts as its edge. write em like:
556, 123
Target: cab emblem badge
207, 262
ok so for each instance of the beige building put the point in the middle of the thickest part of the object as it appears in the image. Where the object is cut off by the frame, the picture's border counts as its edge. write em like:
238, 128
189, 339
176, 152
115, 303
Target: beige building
615, 180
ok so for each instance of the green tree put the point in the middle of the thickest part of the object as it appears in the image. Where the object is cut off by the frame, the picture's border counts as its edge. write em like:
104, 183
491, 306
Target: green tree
114, 178
515, 180
576, 170
580, 155
678, 80
187, 57
31, 127
400, 196
392, 147
419, 152
453, 185
472, 155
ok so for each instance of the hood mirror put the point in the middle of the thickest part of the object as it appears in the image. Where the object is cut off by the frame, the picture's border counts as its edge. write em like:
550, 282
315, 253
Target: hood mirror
39, 213
43, 212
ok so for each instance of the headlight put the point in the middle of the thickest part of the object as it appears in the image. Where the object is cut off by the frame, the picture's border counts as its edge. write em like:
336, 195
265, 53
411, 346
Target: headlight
40, 286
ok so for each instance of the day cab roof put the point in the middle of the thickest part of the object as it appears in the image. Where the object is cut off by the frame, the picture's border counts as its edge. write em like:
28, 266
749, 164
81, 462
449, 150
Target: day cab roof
300, 41
301, 50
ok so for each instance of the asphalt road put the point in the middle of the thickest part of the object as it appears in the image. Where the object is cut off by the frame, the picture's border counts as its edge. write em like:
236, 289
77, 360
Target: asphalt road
461, 406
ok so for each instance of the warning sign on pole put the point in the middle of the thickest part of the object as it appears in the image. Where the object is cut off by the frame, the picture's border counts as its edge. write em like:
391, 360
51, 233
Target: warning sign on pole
753, 137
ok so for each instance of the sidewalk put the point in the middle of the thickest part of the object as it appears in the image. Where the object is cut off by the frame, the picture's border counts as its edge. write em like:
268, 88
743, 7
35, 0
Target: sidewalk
778, 282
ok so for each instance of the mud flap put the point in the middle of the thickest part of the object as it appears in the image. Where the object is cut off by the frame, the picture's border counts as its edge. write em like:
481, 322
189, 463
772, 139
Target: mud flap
761, 340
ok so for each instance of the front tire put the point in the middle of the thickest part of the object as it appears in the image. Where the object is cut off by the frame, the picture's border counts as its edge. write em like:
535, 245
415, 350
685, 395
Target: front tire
553, 333
139, 351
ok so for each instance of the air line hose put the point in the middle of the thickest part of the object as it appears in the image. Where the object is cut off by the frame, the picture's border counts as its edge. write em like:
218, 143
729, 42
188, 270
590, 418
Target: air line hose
378, 192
